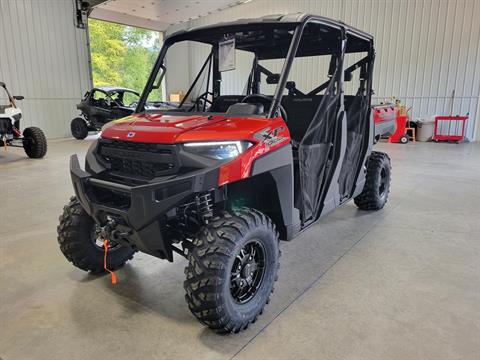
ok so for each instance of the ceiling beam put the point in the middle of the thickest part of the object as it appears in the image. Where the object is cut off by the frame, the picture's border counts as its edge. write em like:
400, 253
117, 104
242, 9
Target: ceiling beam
127, 19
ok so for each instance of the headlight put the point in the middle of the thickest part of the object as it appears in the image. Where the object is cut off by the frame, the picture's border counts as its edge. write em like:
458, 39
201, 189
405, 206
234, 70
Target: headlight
218, 150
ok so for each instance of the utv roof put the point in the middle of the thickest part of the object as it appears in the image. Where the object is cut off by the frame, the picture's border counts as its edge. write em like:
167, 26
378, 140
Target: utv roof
113, 89
269, 36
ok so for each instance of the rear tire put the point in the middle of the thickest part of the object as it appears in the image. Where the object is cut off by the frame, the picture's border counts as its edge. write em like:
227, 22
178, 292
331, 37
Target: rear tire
76, 237
232, 268
79, 128
404, 139
377, 184
34, 143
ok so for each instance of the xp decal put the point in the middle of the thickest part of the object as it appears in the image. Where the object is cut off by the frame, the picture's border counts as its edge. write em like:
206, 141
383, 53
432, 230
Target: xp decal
271, 137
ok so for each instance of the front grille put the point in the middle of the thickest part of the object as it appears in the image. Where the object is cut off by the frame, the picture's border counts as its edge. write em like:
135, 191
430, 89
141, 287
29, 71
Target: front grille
144, 160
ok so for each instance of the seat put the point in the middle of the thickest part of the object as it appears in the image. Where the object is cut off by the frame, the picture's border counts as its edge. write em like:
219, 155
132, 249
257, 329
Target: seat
245, 109
300, 111
222, 103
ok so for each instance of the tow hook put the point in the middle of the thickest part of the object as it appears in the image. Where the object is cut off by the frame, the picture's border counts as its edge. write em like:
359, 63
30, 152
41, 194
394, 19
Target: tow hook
106, 231
111, 237
112, 233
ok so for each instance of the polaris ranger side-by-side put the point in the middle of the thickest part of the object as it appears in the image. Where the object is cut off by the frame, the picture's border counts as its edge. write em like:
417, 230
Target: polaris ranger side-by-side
251, 156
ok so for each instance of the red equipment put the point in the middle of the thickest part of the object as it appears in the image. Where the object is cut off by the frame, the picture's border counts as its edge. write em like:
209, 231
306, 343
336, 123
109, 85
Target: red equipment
449, 128
384, 117
384, 113
400, 135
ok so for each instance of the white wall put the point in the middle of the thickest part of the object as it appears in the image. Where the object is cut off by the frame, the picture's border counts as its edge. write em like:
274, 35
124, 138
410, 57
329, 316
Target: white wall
425, 48
44, 58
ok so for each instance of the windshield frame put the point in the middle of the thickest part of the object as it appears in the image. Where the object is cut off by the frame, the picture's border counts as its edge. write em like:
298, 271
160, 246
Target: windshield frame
174, 39
192, 35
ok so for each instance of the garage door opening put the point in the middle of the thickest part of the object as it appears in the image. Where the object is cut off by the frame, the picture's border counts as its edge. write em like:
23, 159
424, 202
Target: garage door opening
121, 55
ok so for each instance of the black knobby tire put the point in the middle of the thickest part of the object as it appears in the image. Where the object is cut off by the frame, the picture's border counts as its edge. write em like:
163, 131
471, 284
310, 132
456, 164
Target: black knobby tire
377, 184
34, 142
76, 237
216, 250
79, 128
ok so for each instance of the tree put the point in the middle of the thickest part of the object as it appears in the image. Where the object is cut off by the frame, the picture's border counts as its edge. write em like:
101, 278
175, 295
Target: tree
121, 55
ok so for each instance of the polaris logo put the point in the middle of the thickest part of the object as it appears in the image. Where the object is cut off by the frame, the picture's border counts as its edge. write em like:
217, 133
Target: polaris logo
130, 134
303, 100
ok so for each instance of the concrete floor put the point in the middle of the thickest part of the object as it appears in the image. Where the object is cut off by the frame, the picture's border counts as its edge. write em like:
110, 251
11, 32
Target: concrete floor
401, 283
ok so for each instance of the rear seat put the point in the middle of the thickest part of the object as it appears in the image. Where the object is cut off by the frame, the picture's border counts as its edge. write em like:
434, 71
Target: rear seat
300, 110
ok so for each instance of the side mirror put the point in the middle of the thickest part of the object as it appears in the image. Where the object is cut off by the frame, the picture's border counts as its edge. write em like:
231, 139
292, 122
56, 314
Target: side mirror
348, 76
18, 97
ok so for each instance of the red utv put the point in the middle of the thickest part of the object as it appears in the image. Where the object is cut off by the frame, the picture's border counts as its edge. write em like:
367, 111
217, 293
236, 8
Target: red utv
253, 158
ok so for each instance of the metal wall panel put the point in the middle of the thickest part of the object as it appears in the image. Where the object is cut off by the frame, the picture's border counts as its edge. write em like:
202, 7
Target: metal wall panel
45, 58
427, 50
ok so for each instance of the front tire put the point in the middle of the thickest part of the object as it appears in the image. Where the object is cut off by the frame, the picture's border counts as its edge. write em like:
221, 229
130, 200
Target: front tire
79, 244
34, 142
377, 183
79, 128
232, 268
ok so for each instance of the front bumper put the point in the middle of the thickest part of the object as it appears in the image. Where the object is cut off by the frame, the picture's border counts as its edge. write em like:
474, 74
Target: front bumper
144, 206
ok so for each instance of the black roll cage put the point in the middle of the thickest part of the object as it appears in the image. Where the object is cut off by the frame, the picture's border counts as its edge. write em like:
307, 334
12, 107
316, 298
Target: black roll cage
254, 78
11, 98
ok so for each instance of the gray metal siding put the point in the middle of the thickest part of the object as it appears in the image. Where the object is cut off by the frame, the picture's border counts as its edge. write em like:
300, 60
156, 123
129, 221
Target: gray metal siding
426, 49
45, 58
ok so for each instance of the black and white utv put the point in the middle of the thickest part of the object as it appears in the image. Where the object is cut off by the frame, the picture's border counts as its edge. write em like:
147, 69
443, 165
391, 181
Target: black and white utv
32, 139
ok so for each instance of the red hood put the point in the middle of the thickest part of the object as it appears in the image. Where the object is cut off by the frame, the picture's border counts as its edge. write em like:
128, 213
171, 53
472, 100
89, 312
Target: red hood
169, 129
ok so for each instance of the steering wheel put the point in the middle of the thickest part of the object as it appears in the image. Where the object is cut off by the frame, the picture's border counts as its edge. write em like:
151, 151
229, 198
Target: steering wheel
199, 103
266, 102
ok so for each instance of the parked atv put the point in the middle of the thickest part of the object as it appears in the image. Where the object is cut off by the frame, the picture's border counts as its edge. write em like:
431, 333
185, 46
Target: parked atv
101, 105
221, 181
32, 139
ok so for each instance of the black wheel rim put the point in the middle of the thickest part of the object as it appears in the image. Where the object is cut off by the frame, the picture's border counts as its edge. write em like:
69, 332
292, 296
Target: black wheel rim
383, 182
247, 272
77, 128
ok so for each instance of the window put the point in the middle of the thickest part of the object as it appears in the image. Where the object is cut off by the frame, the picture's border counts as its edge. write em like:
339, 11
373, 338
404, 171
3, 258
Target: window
122, 56
99, 95
130, 99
